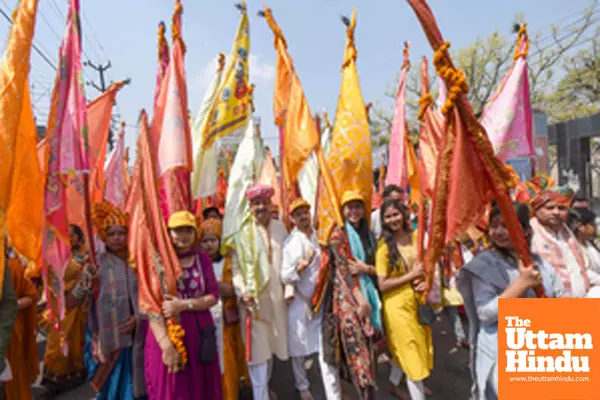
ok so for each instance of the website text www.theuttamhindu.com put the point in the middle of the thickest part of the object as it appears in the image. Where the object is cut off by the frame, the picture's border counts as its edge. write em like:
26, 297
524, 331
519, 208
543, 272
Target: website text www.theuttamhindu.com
549, 379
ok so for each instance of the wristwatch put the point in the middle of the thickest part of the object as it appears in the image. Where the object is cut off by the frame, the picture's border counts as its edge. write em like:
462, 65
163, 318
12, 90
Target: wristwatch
189, 304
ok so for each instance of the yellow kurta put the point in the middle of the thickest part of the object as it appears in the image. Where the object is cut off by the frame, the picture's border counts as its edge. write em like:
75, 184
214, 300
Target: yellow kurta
60, 372
409, 342
234, 356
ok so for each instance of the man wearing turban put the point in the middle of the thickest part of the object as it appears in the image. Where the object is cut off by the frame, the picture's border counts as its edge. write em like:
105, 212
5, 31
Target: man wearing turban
555, 243
257, 283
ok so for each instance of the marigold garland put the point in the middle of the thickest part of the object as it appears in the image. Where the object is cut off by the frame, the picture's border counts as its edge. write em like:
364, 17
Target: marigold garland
424, 102
176, 333
455, 79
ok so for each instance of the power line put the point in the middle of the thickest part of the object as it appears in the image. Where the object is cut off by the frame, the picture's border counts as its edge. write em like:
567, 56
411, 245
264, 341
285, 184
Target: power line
35, 47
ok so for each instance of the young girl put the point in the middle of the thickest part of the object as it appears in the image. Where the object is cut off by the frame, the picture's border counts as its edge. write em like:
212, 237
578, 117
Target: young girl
231, 348
398, 270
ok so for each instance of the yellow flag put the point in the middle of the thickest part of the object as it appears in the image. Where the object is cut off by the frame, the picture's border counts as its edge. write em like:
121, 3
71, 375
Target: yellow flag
231, 108
350, 156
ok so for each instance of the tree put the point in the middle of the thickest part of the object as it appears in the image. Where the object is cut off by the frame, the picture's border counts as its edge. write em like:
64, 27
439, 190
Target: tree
577, 93
486, 62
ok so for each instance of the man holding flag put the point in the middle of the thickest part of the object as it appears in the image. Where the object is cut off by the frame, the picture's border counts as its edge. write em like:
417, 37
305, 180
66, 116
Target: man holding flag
257, 283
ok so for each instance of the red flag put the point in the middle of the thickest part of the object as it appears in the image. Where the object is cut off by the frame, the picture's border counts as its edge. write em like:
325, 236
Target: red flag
469, 174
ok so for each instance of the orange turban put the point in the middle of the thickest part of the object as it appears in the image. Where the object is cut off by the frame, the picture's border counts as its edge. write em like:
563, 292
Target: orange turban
212, 225
105, 216
561, 195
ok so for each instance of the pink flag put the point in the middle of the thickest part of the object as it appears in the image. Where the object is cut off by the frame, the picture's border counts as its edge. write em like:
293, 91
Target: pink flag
507, 118
170, 130
397, 173
67, 138
442, 95
114, 191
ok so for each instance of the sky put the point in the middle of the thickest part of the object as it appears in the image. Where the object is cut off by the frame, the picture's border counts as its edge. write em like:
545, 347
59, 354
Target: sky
125, 32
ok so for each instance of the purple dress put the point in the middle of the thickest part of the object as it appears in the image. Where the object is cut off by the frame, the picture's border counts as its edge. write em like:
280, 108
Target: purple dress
197, 380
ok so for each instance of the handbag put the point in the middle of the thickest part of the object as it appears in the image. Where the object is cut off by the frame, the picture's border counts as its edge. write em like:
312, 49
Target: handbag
426, 314
208, 344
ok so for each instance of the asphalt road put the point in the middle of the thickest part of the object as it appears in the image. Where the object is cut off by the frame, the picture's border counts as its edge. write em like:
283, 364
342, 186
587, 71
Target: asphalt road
449, 379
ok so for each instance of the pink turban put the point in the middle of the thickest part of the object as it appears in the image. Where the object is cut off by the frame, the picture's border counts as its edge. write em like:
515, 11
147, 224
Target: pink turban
260, 192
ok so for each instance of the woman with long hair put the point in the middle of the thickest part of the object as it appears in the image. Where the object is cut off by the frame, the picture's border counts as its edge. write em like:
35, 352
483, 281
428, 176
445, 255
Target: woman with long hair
398, 271
197, 292
352, 309
498, 273
64, 371
232, 358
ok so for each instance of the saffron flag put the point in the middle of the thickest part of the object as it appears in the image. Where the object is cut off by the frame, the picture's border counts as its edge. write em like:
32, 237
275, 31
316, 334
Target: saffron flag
152, 253
231, 110
507, 118
291, 110
25, 213
171, 130
13, 138
350, 156
99, 115
204, 175
114, 190
126, 173
68, 156
430, 139
268, 176
470, 175
244, 173
163, 60
397, 173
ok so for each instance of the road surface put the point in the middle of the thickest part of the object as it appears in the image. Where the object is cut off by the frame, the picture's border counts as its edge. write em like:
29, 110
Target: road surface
450, 377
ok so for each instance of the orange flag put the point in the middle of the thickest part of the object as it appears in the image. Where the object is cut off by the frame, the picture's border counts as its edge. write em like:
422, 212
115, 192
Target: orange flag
291, 110
268, 176
99, 113
469, 174
25, 213
430, 139
350, 155
14, 139
148, 237
171, 130
127, 177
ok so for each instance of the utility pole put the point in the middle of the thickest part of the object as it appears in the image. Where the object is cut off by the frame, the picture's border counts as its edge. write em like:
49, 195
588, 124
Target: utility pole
101, 69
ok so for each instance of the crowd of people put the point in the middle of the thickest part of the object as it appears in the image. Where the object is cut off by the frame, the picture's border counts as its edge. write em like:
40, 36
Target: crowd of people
349, 304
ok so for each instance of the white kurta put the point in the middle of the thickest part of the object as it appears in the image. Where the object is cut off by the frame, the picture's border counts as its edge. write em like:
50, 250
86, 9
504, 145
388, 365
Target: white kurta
303, 327
217, 312
269, 325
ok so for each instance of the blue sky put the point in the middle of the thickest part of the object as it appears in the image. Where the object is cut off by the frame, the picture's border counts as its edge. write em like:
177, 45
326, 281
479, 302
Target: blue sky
124, 31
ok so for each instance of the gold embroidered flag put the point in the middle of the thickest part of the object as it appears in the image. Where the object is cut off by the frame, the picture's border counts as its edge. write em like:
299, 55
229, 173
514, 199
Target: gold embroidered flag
350, 156
231, 108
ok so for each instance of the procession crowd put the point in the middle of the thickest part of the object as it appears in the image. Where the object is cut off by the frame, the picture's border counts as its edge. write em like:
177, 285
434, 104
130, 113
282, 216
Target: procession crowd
368, 301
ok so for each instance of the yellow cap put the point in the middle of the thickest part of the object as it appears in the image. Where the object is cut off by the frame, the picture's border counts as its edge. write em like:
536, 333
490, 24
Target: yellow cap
351, 195
181, 219
298, 203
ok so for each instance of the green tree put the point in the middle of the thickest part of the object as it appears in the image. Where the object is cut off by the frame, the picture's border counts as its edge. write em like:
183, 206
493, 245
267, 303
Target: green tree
486, 61
577, 92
